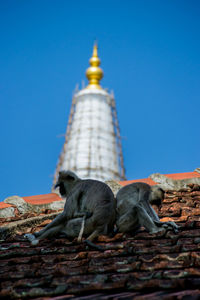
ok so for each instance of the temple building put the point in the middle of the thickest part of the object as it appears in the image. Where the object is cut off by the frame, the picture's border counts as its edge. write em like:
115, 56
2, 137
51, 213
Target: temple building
92, 147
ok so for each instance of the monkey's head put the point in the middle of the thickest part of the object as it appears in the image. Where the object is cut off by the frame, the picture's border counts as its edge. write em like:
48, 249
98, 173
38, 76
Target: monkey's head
66, 181
157, 195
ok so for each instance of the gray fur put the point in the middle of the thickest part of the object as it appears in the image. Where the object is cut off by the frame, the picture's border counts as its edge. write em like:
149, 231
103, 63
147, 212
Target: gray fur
87, 198
134, 209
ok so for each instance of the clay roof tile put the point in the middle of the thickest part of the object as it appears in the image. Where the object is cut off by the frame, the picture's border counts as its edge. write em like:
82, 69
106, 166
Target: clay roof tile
157, 266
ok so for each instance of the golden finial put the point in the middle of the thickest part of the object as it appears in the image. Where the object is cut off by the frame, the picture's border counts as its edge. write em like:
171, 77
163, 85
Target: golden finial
94, 73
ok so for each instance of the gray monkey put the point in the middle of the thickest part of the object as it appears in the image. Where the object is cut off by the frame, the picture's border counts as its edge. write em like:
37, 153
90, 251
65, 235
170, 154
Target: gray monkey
90, 209
134, 209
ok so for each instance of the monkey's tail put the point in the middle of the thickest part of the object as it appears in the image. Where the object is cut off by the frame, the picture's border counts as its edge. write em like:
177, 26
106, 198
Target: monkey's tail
87, 242
81, 230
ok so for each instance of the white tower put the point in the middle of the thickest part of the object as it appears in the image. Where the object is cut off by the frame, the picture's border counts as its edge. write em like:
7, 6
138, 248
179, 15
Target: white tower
92, 147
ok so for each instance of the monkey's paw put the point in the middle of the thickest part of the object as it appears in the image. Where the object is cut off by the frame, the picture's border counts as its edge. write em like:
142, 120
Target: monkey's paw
171, 225
29, 237
156, 230
35, 242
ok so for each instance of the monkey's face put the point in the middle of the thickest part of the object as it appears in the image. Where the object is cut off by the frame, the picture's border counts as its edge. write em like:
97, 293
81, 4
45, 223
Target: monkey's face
157, 196
62, 189
66, 181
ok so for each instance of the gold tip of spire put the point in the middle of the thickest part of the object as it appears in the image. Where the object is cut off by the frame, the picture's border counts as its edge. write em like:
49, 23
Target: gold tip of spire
94, 73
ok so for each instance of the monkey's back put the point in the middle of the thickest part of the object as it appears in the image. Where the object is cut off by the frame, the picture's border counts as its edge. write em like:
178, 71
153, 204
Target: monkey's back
96, 197
99, 188
130, 195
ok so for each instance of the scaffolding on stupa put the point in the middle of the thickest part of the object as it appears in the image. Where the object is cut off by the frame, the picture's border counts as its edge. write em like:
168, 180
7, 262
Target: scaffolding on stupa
92, 147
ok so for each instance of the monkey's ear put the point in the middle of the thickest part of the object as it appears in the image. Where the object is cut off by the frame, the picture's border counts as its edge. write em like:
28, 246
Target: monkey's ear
70, 178
67, 175
61, 173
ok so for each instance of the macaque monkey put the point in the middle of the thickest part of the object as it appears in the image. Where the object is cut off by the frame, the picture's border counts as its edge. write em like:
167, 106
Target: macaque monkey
134, 210
90, 210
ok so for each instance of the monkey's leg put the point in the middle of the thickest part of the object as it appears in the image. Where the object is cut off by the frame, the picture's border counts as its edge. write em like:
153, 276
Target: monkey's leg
92, 237
145, 220
57, 221
64, 216
99, 230
72, 228
128, 222
47, 234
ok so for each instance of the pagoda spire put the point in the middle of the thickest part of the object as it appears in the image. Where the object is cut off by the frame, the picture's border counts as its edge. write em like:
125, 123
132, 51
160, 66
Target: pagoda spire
92, 147
94, 73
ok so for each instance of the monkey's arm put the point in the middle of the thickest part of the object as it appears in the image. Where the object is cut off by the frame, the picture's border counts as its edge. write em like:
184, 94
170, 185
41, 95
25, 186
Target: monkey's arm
151, 212
145, 220
149, 209
156, 220
67, 214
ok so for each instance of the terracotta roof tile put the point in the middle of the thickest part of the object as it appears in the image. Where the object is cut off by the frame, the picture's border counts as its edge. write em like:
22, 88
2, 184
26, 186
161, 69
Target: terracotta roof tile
176, 176
145, 180
144, 266
4, 205
179, 176
42, 199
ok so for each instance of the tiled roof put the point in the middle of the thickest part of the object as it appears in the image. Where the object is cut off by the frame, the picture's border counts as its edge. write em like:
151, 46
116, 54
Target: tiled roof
145, 180
34, 200
4, 205
161, 266
176, 176
42, 199
179, 176
53, 197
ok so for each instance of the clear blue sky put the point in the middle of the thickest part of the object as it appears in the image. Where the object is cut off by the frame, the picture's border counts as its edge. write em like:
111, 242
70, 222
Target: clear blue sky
150, 53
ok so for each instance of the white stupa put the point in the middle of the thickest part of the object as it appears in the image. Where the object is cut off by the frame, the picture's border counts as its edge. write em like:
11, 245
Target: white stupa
92, 147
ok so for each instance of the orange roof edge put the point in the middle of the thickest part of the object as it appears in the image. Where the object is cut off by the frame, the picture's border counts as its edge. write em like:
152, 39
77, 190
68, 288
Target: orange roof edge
179, 176
42, 199
52, 197
4, 205
175, 176
145, 180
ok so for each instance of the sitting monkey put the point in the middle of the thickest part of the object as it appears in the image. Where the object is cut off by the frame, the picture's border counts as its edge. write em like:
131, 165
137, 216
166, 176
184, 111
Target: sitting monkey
90, 207
134, 210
